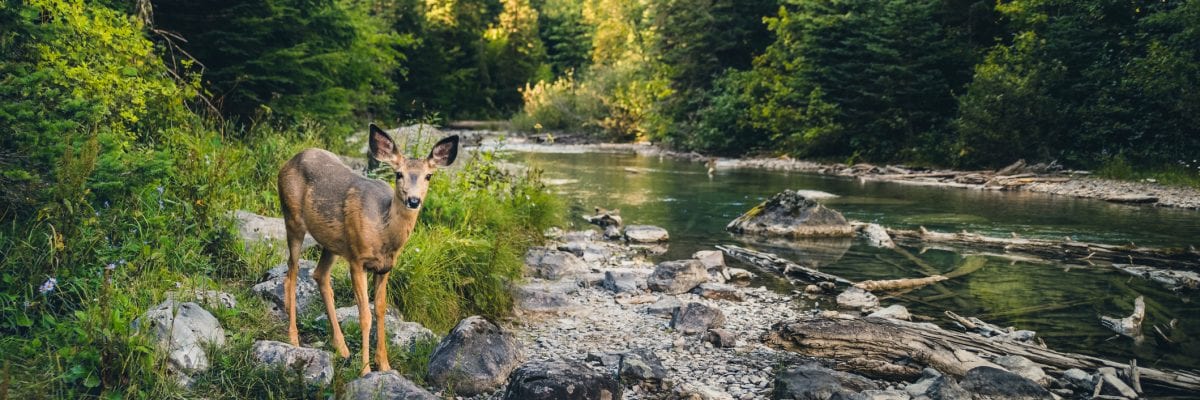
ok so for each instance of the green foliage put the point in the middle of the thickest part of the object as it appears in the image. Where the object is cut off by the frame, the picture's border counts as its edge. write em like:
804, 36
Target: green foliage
290, 60
568, 40
1084, 82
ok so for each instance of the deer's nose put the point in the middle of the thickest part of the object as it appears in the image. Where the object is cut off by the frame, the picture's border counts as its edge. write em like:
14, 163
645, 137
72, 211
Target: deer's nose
413, 202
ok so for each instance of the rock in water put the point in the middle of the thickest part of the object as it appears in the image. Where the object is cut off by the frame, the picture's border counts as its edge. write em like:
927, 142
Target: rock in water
475, 357
790, 214
385, 386
553, 380
877, 236
695, 318
317, 364
675, 277
987, 383
646, 234
856, 298
183, 329
553, 264
271, 287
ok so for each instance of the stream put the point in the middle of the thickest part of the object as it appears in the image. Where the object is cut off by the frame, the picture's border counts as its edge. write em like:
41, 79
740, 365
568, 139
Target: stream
1060, 302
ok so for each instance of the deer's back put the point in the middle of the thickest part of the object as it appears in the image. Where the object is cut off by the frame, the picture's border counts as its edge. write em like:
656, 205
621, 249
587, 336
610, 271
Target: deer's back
323, 192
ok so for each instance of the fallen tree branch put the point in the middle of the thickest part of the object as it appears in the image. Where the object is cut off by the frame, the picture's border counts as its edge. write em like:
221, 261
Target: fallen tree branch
788, 268
898, 284
871, 345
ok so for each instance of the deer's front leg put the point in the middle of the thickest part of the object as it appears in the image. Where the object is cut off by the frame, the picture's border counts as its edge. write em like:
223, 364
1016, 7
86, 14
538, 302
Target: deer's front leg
359, 278
381, 338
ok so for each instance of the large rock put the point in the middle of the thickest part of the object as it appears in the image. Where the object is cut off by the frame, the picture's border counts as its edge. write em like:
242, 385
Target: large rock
645, 234
1024, 367
666, 305
790, 214
307, 295
554, 380
385, 386
553, 264
935, 386
183, 330
719, 291
623, 280
695, 318
987, 383
544, 299
814, 382
642, 366
475, 357
675, 277
714, 262
257, 228
400, 333
316, 365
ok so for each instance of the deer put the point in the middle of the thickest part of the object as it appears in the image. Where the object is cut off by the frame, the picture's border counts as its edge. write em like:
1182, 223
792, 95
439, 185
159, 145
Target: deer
366, 221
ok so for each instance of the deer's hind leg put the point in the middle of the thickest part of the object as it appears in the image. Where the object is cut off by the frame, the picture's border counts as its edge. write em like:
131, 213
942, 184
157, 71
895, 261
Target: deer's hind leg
289, 202
322, 275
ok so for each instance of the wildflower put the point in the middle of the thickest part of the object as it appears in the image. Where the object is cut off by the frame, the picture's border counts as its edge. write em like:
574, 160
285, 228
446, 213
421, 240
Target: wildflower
48, 286
110, 266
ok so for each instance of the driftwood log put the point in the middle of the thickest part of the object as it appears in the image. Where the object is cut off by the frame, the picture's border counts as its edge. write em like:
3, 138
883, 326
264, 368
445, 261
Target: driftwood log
872, 346
787, 268
1175, 268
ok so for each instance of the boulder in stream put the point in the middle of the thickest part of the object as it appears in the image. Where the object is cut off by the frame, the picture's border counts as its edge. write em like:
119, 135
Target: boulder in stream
790, 214
646, 234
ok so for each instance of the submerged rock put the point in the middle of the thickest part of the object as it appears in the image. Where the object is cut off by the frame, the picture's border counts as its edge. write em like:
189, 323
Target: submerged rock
385, 386
790, 214
317, 365
475, 357
271, 288
856, 298
675, 277
553, 380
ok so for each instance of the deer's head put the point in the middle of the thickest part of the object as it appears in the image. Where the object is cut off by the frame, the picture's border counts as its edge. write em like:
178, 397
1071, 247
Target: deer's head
412, 175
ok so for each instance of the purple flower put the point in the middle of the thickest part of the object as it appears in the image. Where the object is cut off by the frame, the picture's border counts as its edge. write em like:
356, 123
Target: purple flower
48, 286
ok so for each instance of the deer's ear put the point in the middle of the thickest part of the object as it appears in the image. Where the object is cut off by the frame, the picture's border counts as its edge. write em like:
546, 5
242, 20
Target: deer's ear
445, 151
382, 148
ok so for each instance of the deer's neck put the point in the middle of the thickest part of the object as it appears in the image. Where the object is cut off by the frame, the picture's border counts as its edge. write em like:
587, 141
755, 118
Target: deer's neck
400, 222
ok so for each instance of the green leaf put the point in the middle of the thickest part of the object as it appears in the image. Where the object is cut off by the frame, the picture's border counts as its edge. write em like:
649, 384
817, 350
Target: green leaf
92, 381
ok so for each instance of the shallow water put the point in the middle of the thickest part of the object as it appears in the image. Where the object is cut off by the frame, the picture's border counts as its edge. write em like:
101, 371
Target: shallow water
1060, 302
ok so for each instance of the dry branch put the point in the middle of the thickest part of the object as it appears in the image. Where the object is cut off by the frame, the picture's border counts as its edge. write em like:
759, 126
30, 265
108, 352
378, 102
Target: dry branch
898, 284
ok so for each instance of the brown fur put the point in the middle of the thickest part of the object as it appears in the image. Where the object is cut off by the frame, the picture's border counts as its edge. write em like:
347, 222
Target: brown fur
362, 220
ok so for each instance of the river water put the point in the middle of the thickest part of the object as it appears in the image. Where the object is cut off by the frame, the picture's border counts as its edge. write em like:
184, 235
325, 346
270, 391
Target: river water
1061, 302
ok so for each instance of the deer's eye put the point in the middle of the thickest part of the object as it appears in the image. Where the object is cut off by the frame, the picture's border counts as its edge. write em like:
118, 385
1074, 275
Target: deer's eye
428, 176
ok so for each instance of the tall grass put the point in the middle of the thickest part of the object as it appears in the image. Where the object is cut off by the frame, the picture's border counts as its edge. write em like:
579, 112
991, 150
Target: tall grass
113, 259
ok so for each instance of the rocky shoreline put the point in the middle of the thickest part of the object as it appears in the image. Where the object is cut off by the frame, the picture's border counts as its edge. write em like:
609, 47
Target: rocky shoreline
1048, 179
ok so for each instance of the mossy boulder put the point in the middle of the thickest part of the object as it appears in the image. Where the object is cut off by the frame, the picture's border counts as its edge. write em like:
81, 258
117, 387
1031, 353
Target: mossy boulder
791, 215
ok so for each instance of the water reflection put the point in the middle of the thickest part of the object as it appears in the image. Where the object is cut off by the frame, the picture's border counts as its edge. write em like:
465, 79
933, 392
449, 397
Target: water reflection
1060, 302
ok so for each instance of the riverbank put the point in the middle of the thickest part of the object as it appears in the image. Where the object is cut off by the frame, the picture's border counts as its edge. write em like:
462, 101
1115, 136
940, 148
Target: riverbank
1031, 178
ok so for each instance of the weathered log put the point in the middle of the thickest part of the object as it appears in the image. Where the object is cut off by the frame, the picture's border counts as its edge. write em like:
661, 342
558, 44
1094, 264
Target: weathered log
1074, 252
1170, 278
990, 330
898, 284
788, 268
870, 346
1130, 326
